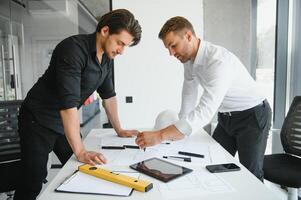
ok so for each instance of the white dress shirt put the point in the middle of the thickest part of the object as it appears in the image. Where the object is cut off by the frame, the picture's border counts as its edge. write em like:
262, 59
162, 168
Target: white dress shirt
227, 87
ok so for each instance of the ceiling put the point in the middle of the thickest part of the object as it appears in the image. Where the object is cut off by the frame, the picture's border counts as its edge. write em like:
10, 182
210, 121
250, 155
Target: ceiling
97, 7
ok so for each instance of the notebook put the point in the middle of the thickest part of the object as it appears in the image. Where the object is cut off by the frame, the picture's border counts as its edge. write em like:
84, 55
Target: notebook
86, 184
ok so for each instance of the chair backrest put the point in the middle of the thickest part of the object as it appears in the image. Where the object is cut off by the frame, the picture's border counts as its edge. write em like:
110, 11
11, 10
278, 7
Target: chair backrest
291, 129
9, 137
10, 163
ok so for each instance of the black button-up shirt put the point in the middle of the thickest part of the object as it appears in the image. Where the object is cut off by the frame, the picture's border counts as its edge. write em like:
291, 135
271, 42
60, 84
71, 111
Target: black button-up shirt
73, 75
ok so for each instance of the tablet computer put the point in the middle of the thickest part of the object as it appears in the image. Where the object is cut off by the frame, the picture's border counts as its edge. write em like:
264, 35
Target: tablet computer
160, 169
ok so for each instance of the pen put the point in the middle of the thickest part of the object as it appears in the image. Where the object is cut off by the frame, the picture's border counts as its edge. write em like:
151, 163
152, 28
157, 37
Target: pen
178, 158
191, 154
165, 143
113, 147
131, 146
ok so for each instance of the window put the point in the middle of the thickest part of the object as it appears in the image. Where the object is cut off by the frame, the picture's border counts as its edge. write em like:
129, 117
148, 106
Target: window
266, 23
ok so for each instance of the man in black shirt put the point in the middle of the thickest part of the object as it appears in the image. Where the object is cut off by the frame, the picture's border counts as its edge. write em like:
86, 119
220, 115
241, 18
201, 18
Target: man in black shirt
49, 118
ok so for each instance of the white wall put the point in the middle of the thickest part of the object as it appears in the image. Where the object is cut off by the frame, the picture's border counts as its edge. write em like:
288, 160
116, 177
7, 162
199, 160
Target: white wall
146, 71
229, 23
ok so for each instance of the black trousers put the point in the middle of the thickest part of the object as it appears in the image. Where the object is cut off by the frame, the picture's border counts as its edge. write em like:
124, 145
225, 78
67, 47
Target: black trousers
36, 144
246, 132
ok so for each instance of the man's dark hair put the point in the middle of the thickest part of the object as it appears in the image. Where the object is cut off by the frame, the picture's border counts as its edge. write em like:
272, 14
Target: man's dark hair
119, 20
175, 24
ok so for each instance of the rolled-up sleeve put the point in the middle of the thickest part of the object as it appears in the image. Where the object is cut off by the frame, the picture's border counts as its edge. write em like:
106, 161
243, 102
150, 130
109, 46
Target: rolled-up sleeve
69, 62
106, 90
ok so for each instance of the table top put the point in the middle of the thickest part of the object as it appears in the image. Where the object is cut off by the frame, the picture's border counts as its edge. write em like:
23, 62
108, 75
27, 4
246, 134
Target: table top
199, 183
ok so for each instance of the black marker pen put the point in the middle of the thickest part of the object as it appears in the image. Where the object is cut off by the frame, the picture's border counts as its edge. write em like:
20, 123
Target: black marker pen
191, 154
178, 158
113, 147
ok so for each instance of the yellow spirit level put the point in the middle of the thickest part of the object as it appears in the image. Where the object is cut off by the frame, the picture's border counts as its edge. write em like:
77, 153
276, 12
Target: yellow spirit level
140, 185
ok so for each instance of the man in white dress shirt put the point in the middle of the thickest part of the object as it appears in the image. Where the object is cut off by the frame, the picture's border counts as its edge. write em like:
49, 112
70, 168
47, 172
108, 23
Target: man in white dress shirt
244, 115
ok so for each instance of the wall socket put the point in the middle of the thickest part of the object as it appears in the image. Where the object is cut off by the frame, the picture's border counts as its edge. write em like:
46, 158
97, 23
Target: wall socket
128, 99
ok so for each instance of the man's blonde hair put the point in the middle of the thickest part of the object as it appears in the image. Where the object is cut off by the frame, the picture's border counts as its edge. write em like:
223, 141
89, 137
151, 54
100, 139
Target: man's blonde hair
175, 24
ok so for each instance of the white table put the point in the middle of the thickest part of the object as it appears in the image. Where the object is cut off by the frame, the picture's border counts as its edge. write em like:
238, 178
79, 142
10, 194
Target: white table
242, 183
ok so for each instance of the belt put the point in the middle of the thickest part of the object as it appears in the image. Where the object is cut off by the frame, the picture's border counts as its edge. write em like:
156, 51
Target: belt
244, 111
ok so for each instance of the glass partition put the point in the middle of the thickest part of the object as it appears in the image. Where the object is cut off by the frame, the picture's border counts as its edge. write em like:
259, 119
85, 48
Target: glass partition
11, 44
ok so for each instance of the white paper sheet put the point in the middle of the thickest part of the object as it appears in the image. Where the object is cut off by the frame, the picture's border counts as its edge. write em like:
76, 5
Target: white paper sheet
195, 184
131, 156
114, 140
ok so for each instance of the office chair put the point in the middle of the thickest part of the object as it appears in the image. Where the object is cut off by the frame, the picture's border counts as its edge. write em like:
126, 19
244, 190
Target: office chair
9, 146
285, 168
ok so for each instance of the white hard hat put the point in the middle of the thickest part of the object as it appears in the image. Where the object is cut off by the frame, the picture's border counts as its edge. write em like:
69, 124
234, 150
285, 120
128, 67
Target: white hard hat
165, 118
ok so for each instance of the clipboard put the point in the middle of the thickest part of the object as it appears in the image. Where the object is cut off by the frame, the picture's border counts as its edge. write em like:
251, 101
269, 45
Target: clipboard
82, 183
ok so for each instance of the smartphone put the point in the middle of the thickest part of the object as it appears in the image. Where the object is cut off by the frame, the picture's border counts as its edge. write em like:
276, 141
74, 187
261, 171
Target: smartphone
227, 167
